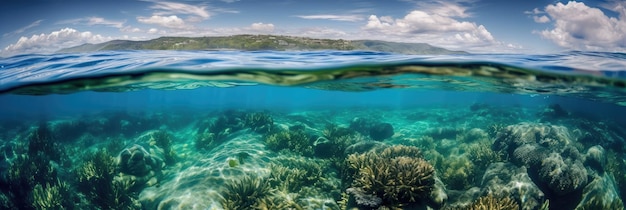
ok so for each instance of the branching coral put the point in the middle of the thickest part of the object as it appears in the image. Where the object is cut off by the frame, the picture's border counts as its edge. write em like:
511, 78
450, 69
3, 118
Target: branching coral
457, 172
55, 196
95, 178
335, 141
229, 122
482, 155
489, 202
295, 141
163, 140
292, 174
393, 180
259, 122
247, 193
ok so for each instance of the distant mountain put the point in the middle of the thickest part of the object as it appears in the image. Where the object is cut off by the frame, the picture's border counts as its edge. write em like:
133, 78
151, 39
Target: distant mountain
261, 42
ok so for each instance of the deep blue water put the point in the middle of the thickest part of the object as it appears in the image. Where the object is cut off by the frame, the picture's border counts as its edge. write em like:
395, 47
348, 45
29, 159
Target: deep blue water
83, 103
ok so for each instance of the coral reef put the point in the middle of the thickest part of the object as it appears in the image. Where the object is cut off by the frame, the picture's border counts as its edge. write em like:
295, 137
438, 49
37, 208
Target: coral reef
295, 141
206, 141
481, 155
259, 122
249, 192
96, 180
513, 181
601, 193
392, 180
292, 174
548, 136
491, 202
55, 196
136, 161
163, 140
530, 155
381, 131
562, 176
596, 158
335, 140
457, 172
376, 130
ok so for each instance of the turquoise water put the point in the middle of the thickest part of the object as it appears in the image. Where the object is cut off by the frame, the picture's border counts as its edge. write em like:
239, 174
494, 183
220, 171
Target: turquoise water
312, 130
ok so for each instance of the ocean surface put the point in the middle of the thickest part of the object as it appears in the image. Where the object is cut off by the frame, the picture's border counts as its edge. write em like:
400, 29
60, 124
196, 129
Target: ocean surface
312, 130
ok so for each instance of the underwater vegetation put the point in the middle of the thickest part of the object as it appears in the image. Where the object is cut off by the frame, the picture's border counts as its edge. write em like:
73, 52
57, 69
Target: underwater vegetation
96, 179
395, 177
211, 133
293, 140
249, 192
491, 202
238, 159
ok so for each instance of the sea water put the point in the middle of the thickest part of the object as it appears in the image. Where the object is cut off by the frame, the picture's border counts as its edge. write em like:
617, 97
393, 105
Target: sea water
312, 130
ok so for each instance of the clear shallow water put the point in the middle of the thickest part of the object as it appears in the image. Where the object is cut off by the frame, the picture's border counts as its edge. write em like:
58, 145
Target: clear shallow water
188, 130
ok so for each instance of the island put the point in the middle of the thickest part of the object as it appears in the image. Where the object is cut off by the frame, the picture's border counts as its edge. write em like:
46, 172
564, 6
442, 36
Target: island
262, 42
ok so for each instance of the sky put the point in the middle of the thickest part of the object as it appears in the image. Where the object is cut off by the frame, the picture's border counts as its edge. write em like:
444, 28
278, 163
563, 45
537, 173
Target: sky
477, 26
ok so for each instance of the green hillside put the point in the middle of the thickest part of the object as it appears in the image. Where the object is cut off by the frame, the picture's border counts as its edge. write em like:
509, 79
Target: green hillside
260, 42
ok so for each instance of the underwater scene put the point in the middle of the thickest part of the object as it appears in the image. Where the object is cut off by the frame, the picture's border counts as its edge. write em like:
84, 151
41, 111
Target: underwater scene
312, 130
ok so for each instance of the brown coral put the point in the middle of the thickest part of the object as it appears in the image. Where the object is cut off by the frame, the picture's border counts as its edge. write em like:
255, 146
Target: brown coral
489, 202
394, 179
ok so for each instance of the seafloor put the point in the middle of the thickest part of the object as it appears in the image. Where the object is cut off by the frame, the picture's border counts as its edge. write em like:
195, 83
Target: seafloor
444, 157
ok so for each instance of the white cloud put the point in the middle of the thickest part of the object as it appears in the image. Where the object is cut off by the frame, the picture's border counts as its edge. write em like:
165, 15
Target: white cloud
351, 18
102, 21
174, 8
262, 27
47, 43
535, 11
542, 19
153, 31
171, 21
434, 28
446, 8
130, 29
22, 29
577, 26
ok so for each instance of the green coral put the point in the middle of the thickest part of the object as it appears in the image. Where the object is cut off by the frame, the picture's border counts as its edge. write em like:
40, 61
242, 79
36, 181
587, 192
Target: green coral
335, 140
295, 141
163, 140
250, 192
292, 174
259, 122
95, 179
490, 202
206, 141
482, 155
55, 196
457, 172
390, 178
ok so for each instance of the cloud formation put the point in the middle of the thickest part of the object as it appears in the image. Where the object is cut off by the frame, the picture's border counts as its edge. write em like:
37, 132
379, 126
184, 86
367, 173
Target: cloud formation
442, 29
350, 18
22, 29
47, 43
262, 27
578, 26
175, 8
171, 21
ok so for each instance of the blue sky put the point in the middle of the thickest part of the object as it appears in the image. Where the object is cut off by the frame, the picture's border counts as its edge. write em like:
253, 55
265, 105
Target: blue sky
481, 26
